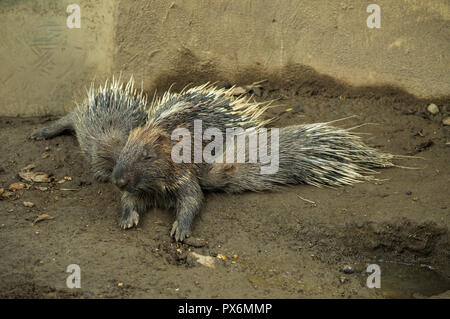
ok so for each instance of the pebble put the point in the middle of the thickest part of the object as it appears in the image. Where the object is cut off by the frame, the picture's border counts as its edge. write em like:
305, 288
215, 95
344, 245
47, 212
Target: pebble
348, 269
195, 259
446, 121
28, 204
220, 256
433, 109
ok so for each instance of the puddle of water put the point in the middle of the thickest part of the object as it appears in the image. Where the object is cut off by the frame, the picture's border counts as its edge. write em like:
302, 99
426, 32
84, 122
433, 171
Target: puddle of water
400, 280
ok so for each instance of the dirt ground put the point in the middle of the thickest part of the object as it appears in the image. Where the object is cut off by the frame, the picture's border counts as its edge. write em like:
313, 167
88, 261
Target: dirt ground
286, 246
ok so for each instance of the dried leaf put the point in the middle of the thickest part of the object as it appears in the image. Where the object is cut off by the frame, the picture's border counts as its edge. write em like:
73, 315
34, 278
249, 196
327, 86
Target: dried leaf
15, 186
7, 194
41, 218
38, 177
28, 168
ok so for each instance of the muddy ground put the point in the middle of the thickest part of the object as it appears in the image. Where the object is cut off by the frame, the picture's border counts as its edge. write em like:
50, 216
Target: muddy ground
286, 247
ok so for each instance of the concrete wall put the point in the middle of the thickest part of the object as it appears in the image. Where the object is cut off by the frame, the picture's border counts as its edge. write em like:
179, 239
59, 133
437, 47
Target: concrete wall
45, 65
227, 36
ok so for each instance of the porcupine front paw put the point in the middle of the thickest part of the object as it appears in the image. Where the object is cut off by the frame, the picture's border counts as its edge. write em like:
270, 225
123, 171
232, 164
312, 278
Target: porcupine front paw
179, 232
129, 218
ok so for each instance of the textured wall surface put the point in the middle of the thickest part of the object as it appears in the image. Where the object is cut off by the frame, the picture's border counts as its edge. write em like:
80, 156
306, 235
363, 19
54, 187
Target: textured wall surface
223, 39
45, 66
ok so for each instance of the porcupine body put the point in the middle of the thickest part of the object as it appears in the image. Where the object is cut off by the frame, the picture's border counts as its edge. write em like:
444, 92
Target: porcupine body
316, 154
216, 108
102, 123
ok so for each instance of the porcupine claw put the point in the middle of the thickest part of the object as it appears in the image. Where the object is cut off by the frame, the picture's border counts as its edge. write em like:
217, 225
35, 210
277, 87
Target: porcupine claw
179, 234
129, 220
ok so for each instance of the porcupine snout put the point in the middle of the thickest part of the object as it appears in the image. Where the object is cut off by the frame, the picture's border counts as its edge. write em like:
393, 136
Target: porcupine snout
122, 179
121, 182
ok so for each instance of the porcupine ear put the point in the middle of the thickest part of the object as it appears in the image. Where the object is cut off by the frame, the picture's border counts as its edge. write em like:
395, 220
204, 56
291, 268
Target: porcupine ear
161, 144
161, 139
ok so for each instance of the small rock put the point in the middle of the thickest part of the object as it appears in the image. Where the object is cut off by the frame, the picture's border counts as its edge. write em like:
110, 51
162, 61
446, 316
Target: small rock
208, 261
348, 269
28, 204
446, 121
433, 109
343, 280
220, 256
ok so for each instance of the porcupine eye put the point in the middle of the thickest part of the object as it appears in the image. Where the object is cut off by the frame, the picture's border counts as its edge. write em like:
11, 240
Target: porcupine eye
146, 155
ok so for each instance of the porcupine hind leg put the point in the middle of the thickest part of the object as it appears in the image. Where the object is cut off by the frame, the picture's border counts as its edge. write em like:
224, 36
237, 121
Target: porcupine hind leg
63, 124
133, 205
188, 203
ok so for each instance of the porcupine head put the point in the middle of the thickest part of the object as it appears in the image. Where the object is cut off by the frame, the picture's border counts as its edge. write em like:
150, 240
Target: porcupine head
144, 163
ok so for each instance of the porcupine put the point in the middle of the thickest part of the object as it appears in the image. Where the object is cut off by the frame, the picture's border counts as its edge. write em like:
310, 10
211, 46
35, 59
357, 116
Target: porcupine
317, 154
217, 108
101, 123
